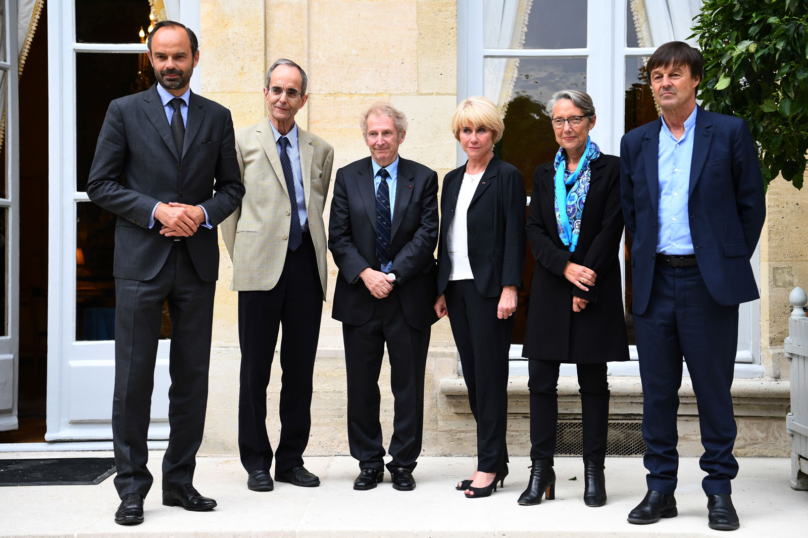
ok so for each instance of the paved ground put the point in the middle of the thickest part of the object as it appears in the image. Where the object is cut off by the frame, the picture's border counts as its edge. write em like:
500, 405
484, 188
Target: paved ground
767, 505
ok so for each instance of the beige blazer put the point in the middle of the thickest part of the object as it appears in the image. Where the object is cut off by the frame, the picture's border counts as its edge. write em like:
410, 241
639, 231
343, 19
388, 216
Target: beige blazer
256, 233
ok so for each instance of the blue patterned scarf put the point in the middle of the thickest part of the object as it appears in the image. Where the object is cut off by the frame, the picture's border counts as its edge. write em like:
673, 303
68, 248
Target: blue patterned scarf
569, 222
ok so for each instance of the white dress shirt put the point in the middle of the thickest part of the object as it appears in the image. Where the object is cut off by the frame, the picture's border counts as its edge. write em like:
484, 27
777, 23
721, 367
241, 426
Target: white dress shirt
457, 239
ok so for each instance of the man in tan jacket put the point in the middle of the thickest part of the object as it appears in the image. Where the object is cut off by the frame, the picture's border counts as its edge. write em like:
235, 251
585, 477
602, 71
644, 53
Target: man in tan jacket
277, 242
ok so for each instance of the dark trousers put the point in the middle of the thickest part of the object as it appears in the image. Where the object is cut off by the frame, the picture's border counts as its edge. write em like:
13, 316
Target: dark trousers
683, 319
483, 342
364, 350
138, 316
296, 302
594, 389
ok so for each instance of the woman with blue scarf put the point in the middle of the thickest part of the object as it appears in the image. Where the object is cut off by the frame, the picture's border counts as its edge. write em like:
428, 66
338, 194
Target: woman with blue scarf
575, 314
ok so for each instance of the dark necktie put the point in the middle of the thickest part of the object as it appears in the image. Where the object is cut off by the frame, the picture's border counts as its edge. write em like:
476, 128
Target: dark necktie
383, 220
177, 126
295, 235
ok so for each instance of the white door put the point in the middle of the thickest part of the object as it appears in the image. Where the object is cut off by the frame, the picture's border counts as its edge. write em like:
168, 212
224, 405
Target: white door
96, 56
9, 218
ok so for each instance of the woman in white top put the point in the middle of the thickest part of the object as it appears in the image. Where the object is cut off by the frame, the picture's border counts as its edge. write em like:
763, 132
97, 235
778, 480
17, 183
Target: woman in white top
480, 259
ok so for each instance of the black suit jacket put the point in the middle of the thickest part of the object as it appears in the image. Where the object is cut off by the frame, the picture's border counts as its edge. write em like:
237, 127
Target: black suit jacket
495, 228
352, 241
726, 206
136, 165
554, 332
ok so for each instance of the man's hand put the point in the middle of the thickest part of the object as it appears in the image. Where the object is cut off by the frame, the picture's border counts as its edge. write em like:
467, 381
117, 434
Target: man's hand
578, 304
440, 307
179, 220
507, 302
580, 275
376, 282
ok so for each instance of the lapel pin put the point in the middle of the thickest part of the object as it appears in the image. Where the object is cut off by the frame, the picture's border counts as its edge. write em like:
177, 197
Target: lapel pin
483, 182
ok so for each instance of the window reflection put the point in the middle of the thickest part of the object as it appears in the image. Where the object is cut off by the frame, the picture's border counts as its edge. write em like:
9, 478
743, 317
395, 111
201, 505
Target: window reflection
640, 109
95, 283
535, 24
522, 88
111, 21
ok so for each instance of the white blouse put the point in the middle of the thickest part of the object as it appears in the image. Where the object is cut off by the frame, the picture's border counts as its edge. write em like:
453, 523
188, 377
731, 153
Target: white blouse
457, 239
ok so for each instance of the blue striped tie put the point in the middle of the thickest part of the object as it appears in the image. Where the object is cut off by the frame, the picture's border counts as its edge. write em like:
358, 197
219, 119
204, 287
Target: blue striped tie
295, 235
383, 220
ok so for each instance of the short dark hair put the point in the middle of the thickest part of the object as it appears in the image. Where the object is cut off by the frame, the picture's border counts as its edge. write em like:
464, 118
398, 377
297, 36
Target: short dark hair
174, 24
677, 53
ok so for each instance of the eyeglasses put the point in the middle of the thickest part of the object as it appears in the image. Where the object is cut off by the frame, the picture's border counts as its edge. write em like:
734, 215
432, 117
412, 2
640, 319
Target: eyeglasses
291, 93
575, 121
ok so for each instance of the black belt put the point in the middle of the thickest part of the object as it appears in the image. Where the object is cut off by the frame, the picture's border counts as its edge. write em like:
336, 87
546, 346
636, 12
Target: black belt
677, 261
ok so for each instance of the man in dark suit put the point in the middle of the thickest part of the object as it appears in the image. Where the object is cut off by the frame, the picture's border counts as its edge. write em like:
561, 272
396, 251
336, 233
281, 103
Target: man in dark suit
160, 155
383, 232
693, 203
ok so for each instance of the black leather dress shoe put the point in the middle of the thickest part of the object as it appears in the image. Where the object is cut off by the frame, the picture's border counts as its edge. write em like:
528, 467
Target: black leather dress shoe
722, 515
298, 476
402, 479
260, 481
187, 497
130, 511
655, 505
367, 479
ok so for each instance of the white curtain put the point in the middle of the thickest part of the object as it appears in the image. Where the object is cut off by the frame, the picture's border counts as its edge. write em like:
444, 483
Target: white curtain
505, 27
166, 10
660, 21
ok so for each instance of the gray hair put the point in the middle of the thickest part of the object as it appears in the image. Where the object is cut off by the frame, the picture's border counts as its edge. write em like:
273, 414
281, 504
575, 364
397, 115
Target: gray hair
284, 61
578, 98
385, 109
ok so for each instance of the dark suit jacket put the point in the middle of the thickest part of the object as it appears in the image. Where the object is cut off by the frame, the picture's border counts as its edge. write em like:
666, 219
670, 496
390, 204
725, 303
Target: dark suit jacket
136, 165
495, 228
726, 206
554, 332
352, 241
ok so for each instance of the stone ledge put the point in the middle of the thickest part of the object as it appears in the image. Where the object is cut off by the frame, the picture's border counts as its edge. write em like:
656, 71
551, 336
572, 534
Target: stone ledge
751, 397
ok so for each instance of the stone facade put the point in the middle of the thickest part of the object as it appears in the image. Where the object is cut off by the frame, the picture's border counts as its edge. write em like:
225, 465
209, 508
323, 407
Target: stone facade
352, 61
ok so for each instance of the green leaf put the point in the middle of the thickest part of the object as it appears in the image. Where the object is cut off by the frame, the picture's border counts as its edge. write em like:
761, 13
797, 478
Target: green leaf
774, 20
723, 82
755, 29
802, 72
768, 106
785, 107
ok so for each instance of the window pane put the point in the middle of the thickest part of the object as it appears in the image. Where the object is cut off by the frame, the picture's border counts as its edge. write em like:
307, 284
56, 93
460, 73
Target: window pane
4, 268
640, 109
522, 87
3, 141
100, 78
536, 24
3, 56
111, 21
95, 283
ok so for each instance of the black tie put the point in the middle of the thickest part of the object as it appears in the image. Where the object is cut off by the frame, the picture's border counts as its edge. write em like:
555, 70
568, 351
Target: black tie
383, 220
295, 235
177, 126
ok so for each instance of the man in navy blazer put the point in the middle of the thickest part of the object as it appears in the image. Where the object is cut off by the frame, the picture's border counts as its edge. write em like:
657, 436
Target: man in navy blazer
693, 201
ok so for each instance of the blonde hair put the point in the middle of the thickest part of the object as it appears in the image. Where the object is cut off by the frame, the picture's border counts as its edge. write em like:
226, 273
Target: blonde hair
385, 109
478, 112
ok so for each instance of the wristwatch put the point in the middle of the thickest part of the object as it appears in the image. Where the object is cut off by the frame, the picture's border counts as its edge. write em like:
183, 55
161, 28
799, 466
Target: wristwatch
393, 282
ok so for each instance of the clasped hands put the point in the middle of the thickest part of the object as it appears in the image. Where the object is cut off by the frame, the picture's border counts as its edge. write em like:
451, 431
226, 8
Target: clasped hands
179, 220
379, 284
505, 309
581, 277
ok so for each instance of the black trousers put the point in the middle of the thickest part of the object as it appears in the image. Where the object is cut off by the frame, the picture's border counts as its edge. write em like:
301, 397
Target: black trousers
364, 350
683, 319
296, 302
483, 342
594, 389
138, 316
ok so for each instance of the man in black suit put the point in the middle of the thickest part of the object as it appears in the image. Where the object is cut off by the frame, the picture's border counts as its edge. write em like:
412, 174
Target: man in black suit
383, 232
693, 203
160, 155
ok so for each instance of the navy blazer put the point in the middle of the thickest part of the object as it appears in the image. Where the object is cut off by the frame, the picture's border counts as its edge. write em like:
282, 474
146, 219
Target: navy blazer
726, 206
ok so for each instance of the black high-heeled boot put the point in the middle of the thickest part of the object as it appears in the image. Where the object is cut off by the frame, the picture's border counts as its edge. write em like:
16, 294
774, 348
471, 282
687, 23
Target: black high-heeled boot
542, 483
594, 484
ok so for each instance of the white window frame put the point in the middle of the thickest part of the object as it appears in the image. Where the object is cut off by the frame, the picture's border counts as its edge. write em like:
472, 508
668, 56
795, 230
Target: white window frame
72, 412
606, 55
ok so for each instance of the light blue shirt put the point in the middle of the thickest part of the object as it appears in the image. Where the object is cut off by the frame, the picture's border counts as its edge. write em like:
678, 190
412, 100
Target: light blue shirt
675, 157
166, 98
392, 169
293, 151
